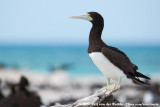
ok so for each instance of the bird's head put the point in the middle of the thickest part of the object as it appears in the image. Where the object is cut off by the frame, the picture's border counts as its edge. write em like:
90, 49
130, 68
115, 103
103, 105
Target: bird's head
93, 17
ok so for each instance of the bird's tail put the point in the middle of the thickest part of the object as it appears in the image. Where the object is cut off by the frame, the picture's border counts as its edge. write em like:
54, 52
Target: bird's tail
139, 82
136, 80
138, 74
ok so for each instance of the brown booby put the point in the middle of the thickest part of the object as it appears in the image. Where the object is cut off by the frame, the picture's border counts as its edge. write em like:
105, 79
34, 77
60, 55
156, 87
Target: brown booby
112, 62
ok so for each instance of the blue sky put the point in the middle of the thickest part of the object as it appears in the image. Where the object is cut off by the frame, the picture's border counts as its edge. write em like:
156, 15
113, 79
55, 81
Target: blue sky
46, 22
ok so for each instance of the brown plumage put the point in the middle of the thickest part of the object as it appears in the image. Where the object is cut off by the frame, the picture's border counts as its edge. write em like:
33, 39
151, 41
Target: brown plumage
112, 62
117, 57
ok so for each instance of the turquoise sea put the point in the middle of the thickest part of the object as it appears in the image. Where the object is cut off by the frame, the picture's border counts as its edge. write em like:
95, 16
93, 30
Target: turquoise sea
42, 58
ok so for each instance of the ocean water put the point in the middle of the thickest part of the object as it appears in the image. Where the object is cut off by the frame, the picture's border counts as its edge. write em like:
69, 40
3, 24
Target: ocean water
42, 59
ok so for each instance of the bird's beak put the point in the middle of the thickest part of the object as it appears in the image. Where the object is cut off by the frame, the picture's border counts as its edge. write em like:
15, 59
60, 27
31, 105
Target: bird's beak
85, 17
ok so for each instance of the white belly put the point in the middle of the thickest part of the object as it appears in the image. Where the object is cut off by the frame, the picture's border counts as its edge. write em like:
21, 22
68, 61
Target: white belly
106, 67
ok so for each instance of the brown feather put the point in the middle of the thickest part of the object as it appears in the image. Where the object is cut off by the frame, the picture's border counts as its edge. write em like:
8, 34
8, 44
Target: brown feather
122, 62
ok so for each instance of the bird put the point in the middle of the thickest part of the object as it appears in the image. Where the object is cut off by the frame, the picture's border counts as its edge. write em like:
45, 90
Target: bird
112, 62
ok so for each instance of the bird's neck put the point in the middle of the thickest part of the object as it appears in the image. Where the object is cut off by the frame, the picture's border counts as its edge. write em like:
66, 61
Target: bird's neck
95, 33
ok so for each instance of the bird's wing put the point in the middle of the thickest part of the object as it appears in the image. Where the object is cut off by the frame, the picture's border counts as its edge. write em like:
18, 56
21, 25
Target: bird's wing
135, 67
123, 62
118, 59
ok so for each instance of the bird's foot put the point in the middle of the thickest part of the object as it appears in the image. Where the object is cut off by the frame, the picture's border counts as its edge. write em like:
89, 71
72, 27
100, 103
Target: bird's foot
109, 87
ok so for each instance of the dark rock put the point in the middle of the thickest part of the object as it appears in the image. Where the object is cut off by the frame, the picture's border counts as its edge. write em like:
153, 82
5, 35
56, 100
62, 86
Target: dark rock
20, 96
21, 86
20, 99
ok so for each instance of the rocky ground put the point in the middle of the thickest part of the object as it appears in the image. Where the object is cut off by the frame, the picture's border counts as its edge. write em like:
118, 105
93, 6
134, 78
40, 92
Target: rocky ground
26, 89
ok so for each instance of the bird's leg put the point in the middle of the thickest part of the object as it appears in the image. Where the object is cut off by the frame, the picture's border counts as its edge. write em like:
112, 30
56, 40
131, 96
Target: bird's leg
105, 87
108, 81
119, 80
112, 86
108, 87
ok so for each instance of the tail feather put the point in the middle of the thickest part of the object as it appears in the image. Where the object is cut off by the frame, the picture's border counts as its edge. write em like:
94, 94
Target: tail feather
139, 82
134, 76
138, 74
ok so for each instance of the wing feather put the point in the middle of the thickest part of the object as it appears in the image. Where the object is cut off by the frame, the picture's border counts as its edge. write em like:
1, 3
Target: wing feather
119, 59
